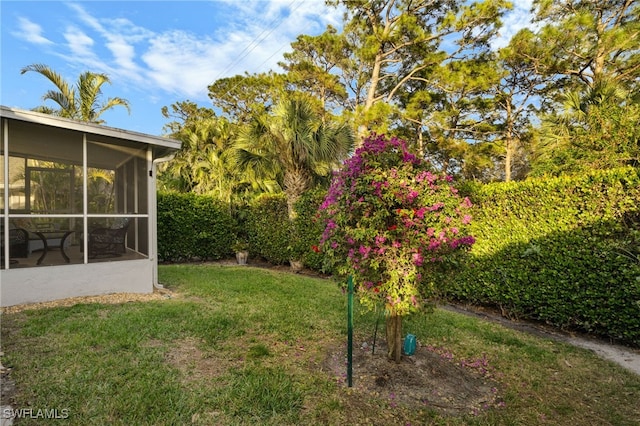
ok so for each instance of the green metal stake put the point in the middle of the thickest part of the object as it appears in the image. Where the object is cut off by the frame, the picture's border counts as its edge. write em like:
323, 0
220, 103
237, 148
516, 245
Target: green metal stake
375, 335
350, 331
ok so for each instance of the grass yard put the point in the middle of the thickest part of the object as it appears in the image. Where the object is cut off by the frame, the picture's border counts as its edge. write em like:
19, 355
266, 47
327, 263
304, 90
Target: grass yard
245, 346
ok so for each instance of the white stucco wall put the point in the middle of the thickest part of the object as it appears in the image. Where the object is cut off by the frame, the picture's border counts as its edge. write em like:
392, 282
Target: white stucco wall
47, 283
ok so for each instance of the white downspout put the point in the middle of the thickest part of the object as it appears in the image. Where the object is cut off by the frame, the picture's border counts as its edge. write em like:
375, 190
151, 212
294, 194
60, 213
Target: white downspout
154, 216
5, 218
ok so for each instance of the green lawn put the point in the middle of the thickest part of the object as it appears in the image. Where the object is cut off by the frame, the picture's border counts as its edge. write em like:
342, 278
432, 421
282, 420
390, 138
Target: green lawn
237, 345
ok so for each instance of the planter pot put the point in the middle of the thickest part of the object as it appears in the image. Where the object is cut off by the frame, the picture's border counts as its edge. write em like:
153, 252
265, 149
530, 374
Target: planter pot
242, 257
296, 265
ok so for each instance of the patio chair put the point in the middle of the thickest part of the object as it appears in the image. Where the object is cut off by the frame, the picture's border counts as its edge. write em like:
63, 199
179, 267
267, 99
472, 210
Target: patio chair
18, 243
109, 241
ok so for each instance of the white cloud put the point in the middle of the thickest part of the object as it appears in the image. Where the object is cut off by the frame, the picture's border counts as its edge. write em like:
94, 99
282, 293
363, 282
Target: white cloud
31, 32
264, 30
518, 18
120, 36
252, 37
254, 41
79, 43
179, 62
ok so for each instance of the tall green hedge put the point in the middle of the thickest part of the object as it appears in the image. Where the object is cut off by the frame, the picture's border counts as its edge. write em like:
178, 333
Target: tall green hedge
267, 225
308, 229
273, 237
562, 250
193, 227
554, 250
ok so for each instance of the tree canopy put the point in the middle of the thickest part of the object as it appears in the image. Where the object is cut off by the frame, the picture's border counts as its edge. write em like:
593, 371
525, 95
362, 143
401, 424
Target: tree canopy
560, 97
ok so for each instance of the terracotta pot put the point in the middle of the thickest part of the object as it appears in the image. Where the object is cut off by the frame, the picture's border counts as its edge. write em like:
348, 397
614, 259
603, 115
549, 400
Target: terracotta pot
296, 265
242, 257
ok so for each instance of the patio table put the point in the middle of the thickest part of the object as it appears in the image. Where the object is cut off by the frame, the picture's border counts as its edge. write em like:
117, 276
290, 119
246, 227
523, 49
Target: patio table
63, 234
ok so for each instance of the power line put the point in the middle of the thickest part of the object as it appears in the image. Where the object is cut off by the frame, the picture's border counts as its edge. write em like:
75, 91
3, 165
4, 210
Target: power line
273, 25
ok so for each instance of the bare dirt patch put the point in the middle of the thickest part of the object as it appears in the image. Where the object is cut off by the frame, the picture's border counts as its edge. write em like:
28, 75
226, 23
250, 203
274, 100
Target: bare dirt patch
429, 380
114, 298
195, 364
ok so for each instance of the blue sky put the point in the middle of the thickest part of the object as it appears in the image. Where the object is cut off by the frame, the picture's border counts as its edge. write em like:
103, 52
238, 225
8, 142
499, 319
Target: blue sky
157, 53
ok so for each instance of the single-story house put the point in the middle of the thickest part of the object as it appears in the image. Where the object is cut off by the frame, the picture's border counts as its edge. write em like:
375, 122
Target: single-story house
78, 206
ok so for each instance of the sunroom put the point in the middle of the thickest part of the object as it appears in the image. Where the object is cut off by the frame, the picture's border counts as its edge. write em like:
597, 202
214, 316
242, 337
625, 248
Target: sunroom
78, 205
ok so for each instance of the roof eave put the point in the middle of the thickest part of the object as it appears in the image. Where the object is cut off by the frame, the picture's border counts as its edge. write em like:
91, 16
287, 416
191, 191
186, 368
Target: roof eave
167, 144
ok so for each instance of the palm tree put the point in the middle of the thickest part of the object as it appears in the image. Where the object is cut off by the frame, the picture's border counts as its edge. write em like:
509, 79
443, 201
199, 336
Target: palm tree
596, 128
200, 165
294, 145
79, 102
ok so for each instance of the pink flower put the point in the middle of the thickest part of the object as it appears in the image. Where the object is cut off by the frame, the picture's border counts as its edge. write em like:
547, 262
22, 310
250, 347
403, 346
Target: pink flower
426, 175
464, 241
364, 251
436, 206
466, 219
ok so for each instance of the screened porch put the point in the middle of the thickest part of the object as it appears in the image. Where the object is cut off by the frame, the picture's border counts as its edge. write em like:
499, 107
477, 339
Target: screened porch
75, 193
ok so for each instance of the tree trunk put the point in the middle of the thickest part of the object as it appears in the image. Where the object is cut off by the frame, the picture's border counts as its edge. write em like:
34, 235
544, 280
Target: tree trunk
420, 142
394, 337
509, 143
295, 182
508, 159
374, 80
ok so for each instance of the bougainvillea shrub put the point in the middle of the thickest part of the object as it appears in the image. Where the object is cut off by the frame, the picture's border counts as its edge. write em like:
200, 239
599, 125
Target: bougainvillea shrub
388, 220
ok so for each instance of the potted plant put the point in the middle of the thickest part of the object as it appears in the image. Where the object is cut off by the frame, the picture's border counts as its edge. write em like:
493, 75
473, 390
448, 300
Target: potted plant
296, 250
241, 247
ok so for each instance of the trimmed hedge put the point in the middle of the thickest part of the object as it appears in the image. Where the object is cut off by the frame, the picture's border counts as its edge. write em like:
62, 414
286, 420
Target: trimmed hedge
308, 229
274, 238
552, 250
193, 227
562, 250
267, 226
198, 227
